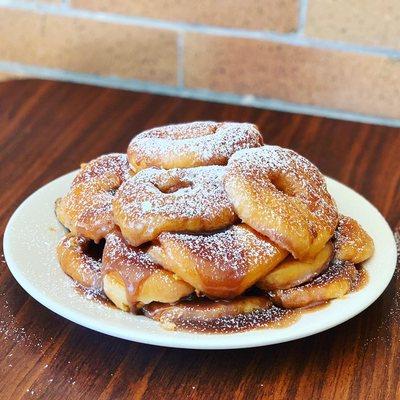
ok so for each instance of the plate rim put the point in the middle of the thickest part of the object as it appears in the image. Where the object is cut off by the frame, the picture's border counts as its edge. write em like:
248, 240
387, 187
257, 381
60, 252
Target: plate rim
171, 341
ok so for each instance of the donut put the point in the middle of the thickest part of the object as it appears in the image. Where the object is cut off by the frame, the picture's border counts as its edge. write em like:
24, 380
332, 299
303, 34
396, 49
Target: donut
334, 283
155, 201
86, 210
290, 272
193, 144
131, 278
202, 314
220, 265
283, 196
80, 259
352, 243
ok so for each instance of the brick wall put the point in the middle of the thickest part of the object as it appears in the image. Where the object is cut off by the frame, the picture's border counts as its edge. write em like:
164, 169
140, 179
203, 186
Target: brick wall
331, 57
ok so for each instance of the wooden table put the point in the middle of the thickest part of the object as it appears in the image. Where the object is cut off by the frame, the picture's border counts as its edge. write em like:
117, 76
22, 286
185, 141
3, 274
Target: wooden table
48, 128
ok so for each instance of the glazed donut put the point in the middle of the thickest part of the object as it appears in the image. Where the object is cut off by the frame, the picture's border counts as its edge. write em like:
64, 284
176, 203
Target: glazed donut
283, 196
290, 272
220, 265
334, 283
352, 243
191, 145
78, 259
131, 278
86, 210
156, 201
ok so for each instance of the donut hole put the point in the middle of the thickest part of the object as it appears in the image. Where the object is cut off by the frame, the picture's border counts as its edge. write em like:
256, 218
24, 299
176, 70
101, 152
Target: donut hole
94, 250
174, 186
80, 258
283, 185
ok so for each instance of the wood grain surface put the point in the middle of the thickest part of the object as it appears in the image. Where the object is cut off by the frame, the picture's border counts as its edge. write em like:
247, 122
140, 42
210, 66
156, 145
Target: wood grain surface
48, 128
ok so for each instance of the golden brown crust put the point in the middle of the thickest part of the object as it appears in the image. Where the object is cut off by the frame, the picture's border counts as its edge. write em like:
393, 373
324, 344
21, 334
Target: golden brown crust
86, 210
220, 265
131, 277
200, 312
156, 201
75, 260
283, 196
334, 283
290, 272
161, 286
189, 215
352, 243
191, 145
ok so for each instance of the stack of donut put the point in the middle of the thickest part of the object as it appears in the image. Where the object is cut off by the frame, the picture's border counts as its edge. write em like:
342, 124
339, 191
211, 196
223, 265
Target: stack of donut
206, 210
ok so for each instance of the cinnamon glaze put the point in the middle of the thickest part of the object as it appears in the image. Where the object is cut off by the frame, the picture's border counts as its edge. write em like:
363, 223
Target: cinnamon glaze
221, 264
253, 310
240, 314
132, 264
219, 316
95, 295
362, 279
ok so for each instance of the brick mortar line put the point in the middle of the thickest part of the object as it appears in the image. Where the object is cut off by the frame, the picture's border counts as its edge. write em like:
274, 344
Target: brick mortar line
294, 39
198, 94
180, 53
302, 15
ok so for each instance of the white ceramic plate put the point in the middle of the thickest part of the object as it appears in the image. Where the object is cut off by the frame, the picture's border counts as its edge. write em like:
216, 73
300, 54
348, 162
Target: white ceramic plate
29, 248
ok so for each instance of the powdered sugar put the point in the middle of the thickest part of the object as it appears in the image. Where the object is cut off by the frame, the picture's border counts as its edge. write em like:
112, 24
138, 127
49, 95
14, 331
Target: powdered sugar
290, 173
336, 270
152, 197
132, 264
352, 243
11, 329
103, 167
221, 317
193, 144
180, 199
80, 259
283, 195
202, 193
118, 250
86, 209
236, 249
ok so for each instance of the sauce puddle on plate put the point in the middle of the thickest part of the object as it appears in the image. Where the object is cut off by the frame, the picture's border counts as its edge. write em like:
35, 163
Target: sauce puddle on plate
251, 311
